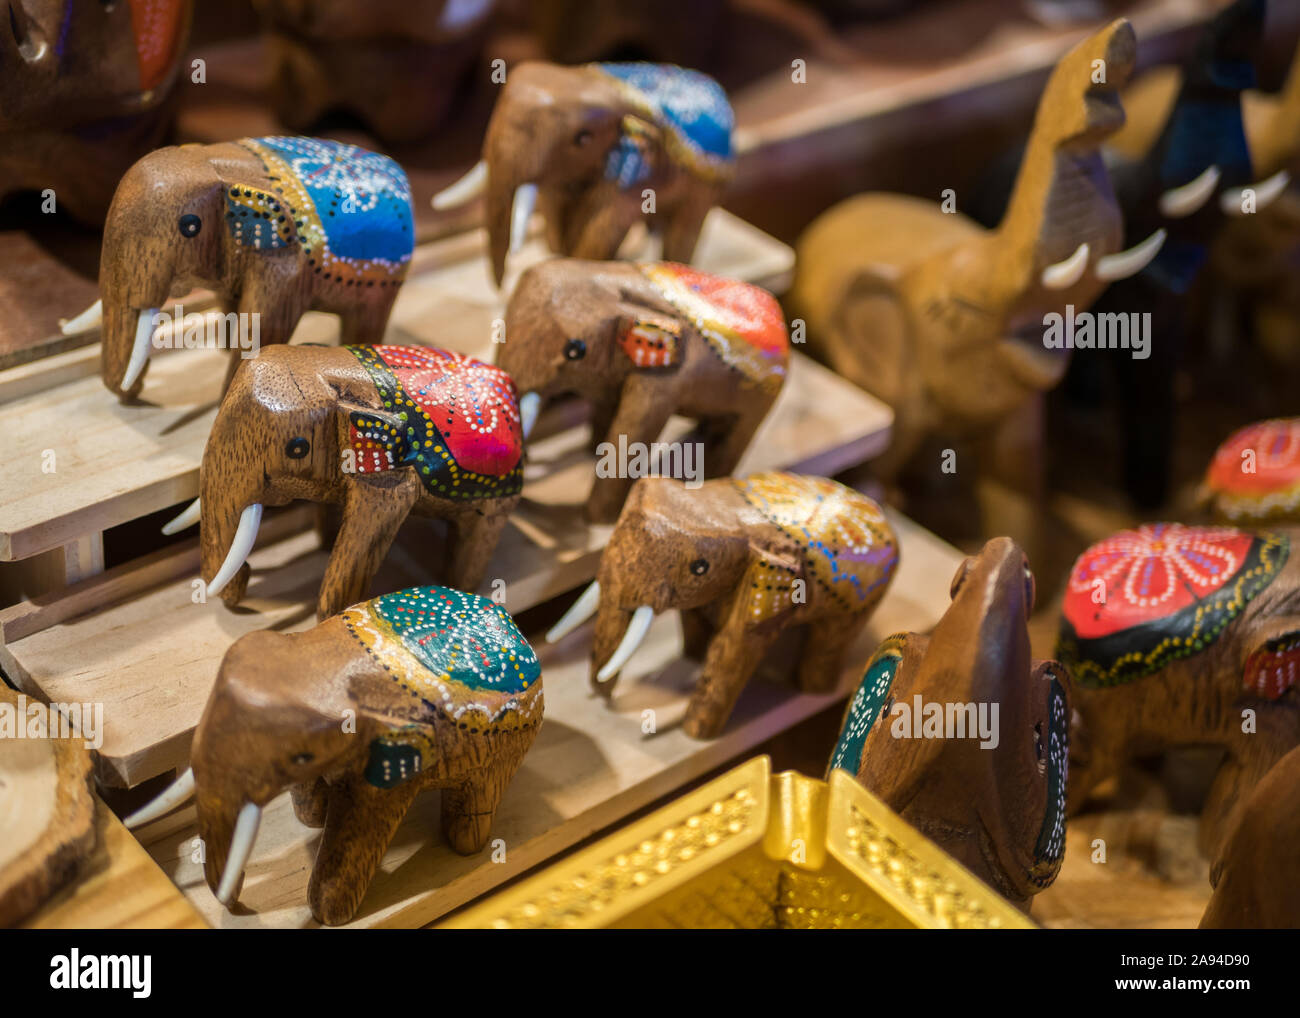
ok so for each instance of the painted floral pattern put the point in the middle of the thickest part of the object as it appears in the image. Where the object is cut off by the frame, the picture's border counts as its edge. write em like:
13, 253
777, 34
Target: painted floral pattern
1255, 474
1144, 597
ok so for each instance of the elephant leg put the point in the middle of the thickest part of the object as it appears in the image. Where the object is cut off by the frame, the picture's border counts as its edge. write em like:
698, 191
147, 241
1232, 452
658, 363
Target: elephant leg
725, 453
373, 511
734, 653
642, 413
602, 420
366, 323
697, 631
469, 808
682, 231
474, 543
329, 518
1276, 734
598, 223
828, 640
310, 802
359, 824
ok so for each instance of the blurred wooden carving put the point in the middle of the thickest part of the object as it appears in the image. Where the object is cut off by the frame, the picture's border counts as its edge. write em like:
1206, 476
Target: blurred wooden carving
85, 90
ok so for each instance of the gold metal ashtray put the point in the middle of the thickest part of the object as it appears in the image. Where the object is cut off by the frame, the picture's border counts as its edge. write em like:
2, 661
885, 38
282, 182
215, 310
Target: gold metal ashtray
753, 850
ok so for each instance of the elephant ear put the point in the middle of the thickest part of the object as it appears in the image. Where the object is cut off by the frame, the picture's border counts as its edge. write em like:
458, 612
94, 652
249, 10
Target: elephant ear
377, 438
258, 219
774, 583
650, 339
631, 160
400, 752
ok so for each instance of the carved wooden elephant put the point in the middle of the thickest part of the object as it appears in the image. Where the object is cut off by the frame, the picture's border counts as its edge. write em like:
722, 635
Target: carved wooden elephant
86, 88
642, 342
1184, 636
274, 226
742, 559
1255, 474
677, 31
596, 149
967, 736
381, 431
423, 688
1256, 877
945, 320
395, 64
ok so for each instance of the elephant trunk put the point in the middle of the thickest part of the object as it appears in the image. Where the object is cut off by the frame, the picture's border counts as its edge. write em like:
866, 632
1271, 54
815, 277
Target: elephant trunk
511, 193
130, 306
229, 516
228, 826
618, 635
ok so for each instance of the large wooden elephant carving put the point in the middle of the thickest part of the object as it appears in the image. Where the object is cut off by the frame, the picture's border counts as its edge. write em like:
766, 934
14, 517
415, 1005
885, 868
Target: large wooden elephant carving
423, 688
1184, 636
395, 64
597, 149
86, 88
945, 320
967, 736
641, 342
742, 559
381, 432
274, 227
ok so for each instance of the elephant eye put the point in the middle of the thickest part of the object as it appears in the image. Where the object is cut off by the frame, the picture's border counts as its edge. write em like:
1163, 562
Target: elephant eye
302, 758
699, 567
885, 710
575, 350
1030, 591
190, 225
1038, 741
582, 137
297, 448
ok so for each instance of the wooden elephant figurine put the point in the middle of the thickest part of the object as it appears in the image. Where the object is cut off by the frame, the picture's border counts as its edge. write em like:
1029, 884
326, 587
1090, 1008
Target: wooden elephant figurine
395, 64
423, 688
1257, 875
380, 431
641, 342
1184, 636
742, 559
596, 149
86, 88
274, 226
965, 735
947, 321
1254, 476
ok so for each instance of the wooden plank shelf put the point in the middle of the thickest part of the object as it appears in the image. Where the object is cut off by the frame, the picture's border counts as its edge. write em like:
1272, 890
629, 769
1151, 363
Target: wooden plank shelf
592, 766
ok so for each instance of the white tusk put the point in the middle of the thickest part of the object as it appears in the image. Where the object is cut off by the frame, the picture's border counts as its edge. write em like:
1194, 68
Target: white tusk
520, 212
245, 537
579, 612
241, 847
1123, 264
89, 319
530, 404
1267, 191
187, 518
144, 326
464, 190
166, 801
636, 630
1182, 201
1064, 275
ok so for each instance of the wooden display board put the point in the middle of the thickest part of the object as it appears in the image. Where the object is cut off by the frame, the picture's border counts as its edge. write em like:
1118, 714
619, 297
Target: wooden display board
592, 766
